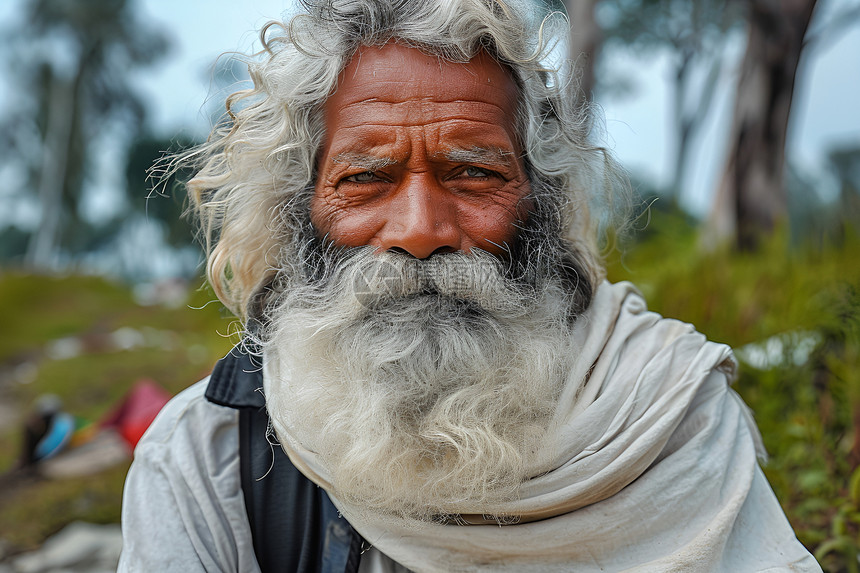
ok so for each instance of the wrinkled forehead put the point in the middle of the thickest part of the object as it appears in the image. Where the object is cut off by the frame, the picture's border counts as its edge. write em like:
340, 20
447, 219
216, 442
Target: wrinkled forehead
399, 74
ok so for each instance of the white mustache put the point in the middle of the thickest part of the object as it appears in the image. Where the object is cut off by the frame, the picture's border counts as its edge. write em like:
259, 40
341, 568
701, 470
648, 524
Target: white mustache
375, 278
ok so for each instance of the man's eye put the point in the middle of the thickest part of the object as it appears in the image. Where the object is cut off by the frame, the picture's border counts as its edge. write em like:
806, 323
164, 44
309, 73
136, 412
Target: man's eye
473, 171
365, 177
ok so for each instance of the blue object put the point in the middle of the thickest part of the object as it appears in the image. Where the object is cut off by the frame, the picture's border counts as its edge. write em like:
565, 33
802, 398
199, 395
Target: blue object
59, 433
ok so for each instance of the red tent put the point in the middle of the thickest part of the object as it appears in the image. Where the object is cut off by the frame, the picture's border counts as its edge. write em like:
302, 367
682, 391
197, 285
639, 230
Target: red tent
137, 410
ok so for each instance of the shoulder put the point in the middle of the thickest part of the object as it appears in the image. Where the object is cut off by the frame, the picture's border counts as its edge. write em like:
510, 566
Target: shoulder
188, 416
192, 439
185, 477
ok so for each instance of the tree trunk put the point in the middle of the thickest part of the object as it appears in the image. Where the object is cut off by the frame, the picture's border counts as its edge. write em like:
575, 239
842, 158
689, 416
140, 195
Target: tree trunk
42, 246
684, 124
585, 40
751, 199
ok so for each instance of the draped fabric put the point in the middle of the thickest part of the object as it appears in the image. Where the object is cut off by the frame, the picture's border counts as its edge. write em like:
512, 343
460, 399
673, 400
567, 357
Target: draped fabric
650, 466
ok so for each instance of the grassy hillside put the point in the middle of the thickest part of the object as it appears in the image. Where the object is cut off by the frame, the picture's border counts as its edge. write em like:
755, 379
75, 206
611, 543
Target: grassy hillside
86, 340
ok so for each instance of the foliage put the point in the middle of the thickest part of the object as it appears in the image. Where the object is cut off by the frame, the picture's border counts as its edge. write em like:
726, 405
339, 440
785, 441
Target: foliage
71, 63
166, 204
800, 304
684, 25
845, 163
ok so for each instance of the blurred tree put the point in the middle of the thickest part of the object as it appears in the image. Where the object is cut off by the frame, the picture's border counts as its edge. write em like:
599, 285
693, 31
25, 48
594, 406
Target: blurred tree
585, 40
73, 60
824, 203
153, 188
845, 163
751, 198
163, 201
694, 32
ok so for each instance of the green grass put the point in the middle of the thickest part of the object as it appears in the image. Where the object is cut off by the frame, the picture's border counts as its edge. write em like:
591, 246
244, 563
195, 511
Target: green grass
39, 508
179, 346
45, 308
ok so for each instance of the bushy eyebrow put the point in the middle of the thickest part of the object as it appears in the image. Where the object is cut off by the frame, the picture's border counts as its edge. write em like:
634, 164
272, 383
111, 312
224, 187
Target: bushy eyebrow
475, 154
364, 161
480, 155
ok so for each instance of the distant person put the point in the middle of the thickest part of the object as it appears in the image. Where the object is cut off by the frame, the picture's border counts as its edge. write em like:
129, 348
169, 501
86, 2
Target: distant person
435, 375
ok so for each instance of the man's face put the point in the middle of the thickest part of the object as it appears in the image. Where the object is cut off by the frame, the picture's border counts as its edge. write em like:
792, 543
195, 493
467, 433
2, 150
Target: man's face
430, 390
420, 155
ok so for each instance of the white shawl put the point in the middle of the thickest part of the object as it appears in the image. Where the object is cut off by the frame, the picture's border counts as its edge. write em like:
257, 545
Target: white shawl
653, 467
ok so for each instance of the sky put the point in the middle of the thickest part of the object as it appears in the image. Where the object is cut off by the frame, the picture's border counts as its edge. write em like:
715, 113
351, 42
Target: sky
825, 110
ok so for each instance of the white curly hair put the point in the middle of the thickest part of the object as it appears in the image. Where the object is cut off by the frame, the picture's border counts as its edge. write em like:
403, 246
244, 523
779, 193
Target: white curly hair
254, 175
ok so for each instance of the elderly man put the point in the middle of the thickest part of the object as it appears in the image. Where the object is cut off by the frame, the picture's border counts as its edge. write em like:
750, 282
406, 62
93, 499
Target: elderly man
435, 377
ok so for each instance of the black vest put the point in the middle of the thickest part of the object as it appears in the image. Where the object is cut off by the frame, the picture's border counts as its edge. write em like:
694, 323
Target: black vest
294, 524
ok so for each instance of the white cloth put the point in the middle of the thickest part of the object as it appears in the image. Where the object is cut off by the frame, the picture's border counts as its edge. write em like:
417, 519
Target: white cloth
653, 467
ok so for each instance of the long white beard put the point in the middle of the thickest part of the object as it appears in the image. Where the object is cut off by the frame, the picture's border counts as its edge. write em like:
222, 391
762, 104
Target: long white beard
425, 387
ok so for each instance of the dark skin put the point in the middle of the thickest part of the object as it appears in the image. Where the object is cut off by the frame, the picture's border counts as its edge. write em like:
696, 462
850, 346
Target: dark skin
420, 155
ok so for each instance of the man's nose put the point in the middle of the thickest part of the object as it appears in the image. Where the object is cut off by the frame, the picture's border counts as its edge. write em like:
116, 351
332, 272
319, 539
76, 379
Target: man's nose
422, 220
